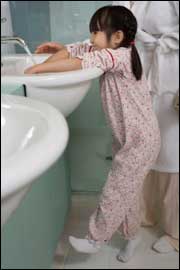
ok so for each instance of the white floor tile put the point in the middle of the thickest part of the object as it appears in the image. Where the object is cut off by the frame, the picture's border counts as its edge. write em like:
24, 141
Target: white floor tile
86, 261
145, 258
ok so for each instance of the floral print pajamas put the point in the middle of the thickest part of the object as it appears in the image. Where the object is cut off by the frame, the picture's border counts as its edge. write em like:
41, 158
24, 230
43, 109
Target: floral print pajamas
136, 140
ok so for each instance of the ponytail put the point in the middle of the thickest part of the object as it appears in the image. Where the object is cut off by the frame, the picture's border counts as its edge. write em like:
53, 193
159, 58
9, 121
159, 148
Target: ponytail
136, 63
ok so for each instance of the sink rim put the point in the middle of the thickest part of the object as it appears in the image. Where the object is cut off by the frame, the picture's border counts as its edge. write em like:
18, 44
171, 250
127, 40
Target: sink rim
17, 171
49, 79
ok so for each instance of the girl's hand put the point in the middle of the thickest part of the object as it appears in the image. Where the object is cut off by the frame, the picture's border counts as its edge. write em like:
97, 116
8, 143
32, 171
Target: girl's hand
34, 69
49, 47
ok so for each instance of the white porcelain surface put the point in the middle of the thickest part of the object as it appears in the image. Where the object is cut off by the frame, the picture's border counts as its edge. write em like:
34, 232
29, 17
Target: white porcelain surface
64, 90
33, 136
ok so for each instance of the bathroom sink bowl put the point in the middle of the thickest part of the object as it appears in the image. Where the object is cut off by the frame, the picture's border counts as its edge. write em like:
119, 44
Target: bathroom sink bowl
64, 90
33, 136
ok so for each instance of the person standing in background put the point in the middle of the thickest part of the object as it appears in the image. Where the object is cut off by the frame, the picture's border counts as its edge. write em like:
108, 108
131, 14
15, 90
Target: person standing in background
158, 42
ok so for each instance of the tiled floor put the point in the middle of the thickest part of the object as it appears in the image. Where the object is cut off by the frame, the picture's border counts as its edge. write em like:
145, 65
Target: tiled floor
145, 257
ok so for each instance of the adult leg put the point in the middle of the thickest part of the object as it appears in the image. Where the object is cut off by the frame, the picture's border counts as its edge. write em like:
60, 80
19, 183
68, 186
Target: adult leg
149, 200
169, 200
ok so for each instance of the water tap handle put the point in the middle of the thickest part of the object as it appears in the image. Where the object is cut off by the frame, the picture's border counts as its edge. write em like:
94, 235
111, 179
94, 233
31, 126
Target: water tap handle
3, 19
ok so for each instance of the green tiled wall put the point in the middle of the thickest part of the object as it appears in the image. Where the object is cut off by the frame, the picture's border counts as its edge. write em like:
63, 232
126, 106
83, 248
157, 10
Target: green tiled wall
90, 144
69, 20
30, 21
12, 90
87, 152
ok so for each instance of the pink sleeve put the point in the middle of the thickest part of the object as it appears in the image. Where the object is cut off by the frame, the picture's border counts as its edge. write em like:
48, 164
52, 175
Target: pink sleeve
102, 59
78, 49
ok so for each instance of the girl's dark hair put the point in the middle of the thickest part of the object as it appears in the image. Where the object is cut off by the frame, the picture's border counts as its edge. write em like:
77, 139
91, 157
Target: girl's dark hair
111, 19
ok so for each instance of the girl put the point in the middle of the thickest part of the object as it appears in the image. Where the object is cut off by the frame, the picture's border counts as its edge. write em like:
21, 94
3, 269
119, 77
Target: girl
127, 104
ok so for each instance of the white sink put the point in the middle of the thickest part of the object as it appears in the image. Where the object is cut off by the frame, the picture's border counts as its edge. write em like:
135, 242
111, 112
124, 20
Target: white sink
33, 136
64, 90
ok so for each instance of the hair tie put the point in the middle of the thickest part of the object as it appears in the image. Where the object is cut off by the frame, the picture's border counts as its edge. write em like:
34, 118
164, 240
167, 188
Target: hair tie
132, 42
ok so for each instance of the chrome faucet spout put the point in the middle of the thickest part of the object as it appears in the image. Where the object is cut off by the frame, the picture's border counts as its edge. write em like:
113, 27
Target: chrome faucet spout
17, 40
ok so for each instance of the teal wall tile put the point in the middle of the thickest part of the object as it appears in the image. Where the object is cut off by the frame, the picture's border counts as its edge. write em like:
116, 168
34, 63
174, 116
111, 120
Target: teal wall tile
38, 21
19, 15
69, 20
87, 156
30, 21
12, 90
89, 114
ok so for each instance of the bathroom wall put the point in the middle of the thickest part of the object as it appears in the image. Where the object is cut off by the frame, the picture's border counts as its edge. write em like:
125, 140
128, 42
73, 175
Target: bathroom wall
12, 90
90, 144
90, 141
30, 21
69, 20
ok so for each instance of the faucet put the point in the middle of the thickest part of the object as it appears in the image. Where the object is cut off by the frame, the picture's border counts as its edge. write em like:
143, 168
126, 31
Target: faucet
11, 39
17, 40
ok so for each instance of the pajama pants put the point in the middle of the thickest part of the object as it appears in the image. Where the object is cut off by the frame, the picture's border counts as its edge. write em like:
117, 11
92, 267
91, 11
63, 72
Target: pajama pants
119, 205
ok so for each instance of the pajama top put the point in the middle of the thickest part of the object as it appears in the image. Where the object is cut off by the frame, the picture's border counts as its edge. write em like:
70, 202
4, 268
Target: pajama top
127, 102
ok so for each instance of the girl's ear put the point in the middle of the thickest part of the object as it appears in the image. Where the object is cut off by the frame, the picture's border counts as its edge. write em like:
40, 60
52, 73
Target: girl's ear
118, 37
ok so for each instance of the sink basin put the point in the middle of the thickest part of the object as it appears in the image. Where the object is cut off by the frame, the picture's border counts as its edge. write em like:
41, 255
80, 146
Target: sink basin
30, 145
64, 90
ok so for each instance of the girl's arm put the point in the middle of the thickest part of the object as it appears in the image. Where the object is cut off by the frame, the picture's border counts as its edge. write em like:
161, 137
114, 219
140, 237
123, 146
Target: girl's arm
71, 50
49, 47
62, 54
64, 60
104, 59
56, 66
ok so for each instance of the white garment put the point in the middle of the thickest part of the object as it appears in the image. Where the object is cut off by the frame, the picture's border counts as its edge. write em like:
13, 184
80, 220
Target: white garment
158, 45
